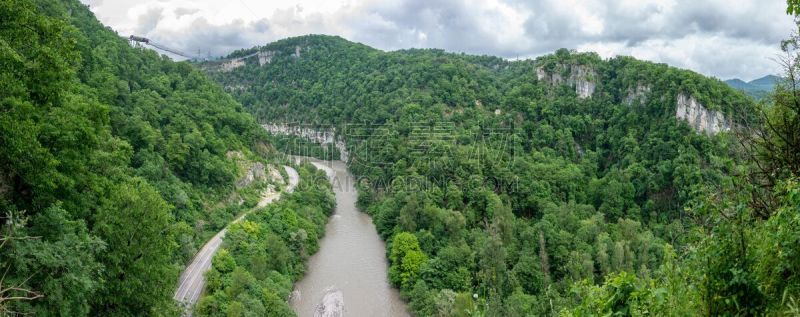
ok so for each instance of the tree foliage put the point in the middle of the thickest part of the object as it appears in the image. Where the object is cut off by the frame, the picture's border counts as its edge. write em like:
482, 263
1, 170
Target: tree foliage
501, 190
109, 156
262, 256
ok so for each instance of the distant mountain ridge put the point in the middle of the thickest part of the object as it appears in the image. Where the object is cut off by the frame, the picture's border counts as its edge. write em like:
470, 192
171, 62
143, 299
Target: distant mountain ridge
756, 88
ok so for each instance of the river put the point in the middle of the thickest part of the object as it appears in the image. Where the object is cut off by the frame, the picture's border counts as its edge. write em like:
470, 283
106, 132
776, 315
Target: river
349, 272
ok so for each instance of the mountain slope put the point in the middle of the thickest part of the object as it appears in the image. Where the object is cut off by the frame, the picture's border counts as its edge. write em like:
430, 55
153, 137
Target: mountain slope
766, 82
737, 83
508, 183
113, 164
757, 88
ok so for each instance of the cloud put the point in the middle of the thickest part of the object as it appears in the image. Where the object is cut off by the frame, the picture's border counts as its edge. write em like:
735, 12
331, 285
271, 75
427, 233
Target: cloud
724, 38
454, 25
93, 3
180, 12
705, 54
149, 21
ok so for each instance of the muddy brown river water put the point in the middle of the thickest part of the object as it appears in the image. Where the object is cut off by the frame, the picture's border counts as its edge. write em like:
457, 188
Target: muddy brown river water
348, 275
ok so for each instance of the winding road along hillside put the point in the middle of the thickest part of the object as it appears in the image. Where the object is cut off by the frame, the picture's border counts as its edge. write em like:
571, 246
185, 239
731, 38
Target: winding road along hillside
192, 280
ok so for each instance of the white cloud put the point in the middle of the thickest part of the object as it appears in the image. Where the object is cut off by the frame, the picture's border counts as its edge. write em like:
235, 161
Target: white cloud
724, 38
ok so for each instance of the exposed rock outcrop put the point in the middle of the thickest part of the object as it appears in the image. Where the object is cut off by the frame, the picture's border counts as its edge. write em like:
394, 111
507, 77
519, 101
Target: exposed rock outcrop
265, 57
237, 155
552, 79
322, 137
232, 64
274, 174
296, 53
256, 171
638, 94
698, 117
580, 76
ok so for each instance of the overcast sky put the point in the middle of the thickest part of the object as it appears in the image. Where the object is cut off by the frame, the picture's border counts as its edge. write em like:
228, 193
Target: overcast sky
723, 38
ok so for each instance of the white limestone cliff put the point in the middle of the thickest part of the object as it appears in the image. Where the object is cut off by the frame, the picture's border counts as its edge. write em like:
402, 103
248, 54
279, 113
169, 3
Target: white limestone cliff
265, 57
232, 64
698, 117
580, 76
322, 137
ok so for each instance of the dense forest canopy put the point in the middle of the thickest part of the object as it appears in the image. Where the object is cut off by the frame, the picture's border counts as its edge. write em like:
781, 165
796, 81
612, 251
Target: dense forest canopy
568, 184
113, 165
564, 185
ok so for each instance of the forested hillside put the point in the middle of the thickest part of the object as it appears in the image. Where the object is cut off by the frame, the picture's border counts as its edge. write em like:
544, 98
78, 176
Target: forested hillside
265, 254
114, 165
568, 184
757, 88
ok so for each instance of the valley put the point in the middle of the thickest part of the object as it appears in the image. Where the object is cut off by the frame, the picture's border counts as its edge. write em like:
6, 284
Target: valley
318, 176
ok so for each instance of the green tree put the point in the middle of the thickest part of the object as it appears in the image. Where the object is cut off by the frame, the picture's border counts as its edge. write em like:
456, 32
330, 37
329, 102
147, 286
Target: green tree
136, 225
406, 259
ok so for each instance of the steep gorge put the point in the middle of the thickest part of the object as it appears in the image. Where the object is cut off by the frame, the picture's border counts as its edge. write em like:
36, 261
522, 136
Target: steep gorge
497, 185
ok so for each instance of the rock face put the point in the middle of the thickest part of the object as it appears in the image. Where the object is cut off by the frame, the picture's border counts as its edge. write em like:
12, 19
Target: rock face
256, 171
323, 137
700, 118
580, 76
639, 94
552, 79
265, 57
274, 174
234, 155
232, 64
332, 304
296, 52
